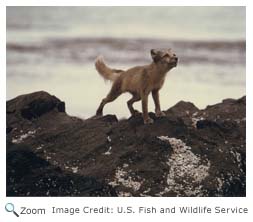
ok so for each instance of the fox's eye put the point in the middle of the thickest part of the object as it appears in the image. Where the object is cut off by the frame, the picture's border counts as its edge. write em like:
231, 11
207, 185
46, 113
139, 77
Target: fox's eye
174, 54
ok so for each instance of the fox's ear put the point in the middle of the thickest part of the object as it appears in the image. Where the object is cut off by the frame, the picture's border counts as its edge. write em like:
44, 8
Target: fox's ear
155, 55
153, 51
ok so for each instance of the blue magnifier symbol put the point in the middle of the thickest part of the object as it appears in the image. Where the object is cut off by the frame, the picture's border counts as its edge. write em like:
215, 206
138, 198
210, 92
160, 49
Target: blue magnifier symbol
9, 207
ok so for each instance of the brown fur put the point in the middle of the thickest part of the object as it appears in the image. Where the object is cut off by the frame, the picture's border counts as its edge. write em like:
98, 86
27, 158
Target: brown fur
139, 81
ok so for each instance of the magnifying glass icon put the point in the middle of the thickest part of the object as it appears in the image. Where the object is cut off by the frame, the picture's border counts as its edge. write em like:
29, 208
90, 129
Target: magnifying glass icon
9, 207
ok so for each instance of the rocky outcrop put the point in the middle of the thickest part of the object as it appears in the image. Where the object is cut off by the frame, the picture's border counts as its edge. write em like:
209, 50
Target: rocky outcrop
30, 175
189, 152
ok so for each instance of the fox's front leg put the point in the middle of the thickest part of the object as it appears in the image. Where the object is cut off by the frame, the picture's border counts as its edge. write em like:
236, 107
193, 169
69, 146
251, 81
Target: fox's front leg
144, 101
158, 112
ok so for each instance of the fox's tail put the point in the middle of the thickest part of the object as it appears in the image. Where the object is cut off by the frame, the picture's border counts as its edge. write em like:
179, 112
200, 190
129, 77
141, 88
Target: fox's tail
106, 72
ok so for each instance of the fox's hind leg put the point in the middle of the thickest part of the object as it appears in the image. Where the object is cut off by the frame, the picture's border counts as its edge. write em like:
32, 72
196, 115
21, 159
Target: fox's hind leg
114, 93
144, 102
130, 103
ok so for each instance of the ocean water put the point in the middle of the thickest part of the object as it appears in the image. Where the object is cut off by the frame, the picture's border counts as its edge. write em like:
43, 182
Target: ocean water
54, 48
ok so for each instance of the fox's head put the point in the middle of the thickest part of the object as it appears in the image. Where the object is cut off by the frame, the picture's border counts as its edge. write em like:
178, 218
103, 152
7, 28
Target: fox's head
164, 57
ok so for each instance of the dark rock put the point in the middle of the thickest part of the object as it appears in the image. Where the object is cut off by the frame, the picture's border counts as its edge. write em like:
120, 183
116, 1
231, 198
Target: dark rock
183, 109
109, 118
201, 124
229, 109
34, 105
8, 129
30, 175
189, 152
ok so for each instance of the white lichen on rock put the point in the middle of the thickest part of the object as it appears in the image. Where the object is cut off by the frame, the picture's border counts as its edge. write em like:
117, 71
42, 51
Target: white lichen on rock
22, 137
108, 152
125, 165
123, 178
109, 139
39, 147
74, 169
186, 170
124, 194
195, 121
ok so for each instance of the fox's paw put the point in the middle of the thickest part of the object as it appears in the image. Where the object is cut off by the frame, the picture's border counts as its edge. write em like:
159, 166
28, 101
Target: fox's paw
160, 114
148, 121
